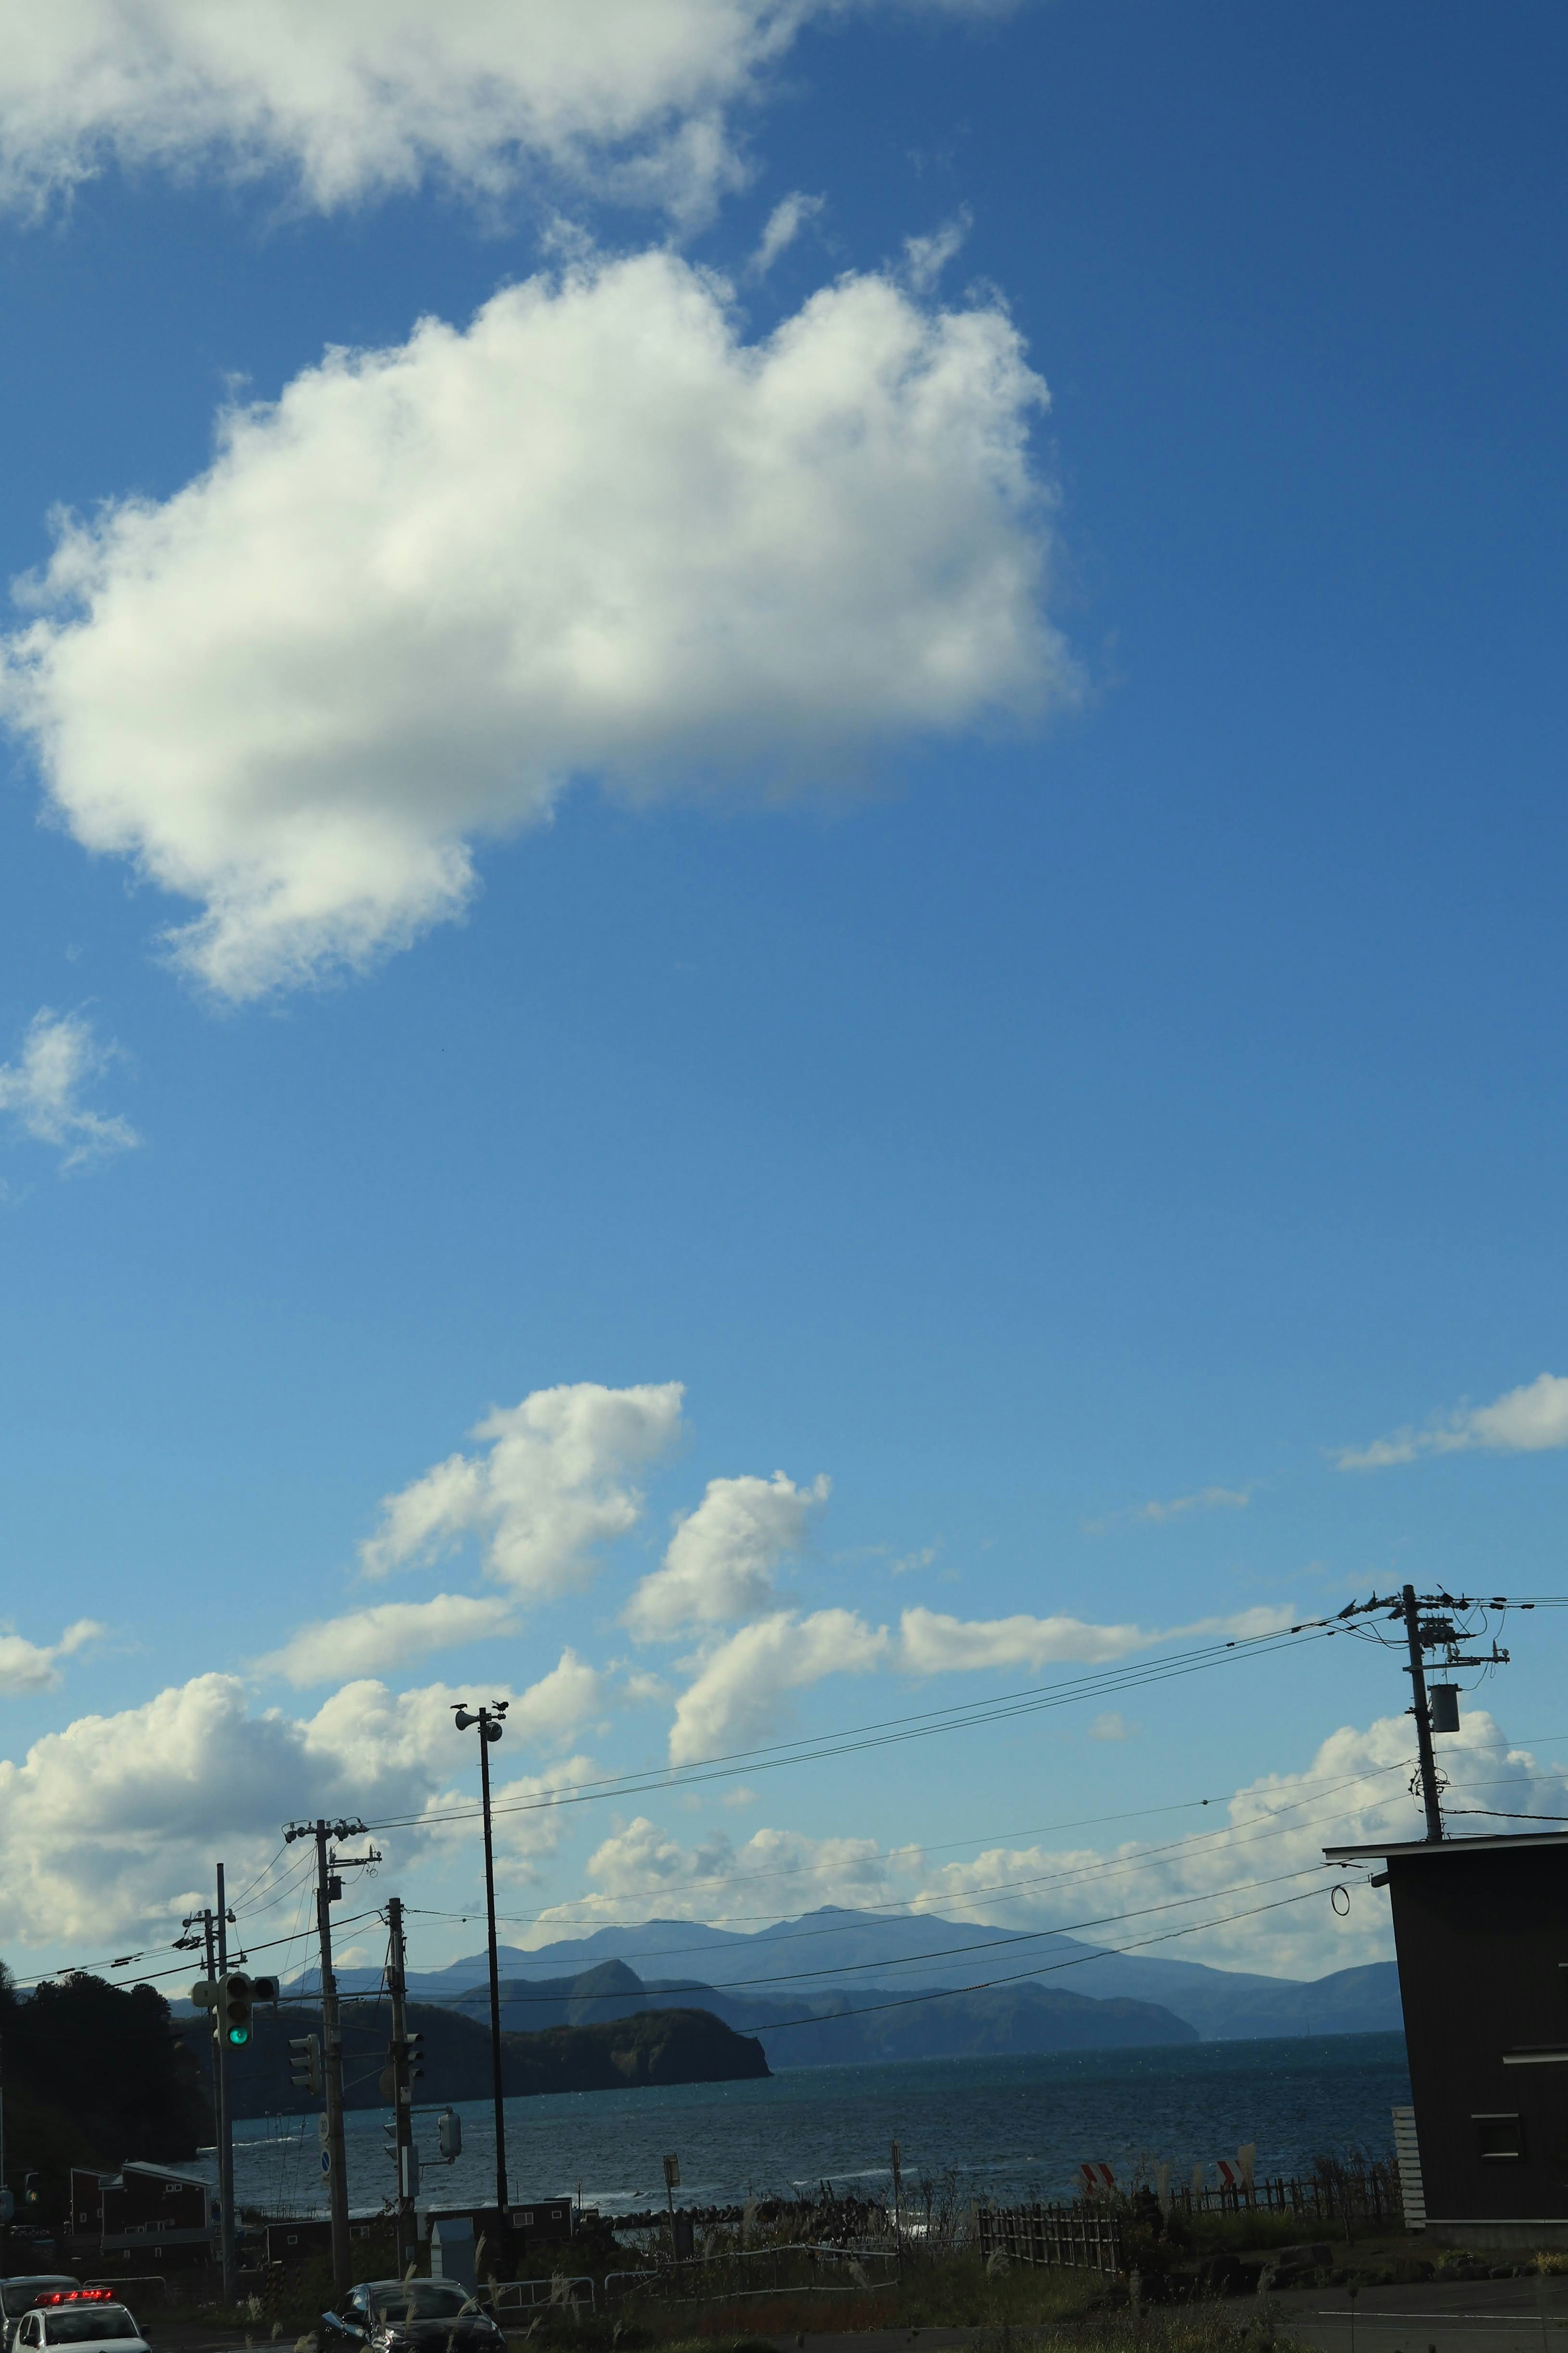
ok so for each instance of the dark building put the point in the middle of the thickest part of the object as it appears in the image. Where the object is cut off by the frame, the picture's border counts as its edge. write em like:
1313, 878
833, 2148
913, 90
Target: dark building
141, 2218
1480, 1927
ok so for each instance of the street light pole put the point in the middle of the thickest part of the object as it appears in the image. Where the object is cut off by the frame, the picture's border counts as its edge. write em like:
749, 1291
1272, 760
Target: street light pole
491, 1727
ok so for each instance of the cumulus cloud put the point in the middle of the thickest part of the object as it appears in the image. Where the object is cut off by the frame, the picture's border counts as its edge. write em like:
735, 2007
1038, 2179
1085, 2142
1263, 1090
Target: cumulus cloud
1355, 1789
556, 1708
597, 534
369, 1642
639, 1865
35, 1666
552, 1484
1230, 1885
736, 1692
742, 1682
720, 1560
42, 1092
1532, 1420
366, 97
107, 1827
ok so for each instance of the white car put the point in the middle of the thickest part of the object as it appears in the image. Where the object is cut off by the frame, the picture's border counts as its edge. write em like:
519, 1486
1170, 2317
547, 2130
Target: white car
81, 2317
18, 2296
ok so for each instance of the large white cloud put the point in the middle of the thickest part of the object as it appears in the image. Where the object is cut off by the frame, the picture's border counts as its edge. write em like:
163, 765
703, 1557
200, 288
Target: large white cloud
1530, 1419
596, 534
42, 1093
720, 1560
107, 1828
1229, 1887
363, 95
388, 1635
641, 1867
553, 1482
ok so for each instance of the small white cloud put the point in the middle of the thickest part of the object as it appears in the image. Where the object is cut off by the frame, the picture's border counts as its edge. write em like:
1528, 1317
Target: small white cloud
1532, 1420
913, 1560
646, 1689
1176, 1507
42, 1092
740, 1796
720, 1560
785, 223
594, 536
552, 1483
925, 258
35, 1666
1112, 1725
370, 1642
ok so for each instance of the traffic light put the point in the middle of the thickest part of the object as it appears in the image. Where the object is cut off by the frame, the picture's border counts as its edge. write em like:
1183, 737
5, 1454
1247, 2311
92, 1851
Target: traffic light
263, 1989
32, 2193
203, 1993
234, 1993
305, 2064
411, 2049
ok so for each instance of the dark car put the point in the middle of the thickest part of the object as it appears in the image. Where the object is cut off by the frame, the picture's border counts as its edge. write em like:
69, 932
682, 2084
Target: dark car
394, 2315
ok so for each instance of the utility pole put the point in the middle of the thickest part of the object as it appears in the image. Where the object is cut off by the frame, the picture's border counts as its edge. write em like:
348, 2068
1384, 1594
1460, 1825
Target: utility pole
333, 2060
489, 1720
226, 2108
1435, 1632
401, 2088
328, 1886
1418, 1671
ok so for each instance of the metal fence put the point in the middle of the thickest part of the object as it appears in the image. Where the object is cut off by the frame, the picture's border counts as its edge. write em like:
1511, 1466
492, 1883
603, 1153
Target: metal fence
1080, 2238
806, 2270
1368, 2193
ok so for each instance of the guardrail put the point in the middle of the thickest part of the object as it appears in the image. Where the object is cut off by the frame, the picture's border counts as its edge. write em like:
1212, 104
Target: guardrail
530, 2293
761, 2271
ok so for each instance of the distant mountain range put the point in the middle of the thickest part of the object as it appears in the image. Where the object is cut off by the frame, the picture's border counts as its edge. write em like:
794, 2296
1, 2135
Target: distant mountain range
836, 1985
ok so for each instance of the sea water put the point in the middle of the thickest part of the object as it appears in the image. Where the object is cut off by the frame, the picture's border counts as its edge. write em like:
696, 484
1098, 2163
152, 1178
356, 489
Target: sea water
1007, 2128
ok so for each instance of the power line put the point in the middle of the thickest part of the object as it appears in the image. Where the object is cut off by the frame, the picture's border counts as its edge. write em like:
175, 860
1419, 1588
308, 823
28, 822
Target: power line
886, 1732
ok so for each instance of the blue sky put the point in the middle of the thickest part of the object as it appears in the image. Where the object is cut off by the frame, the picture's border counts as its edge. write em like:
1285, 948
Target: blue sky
1015, 952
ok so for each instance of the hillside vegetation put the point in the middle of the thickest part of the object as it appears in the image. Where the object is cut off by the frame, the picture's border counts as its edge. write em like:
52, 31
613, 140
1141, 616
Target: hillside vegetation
656, 2046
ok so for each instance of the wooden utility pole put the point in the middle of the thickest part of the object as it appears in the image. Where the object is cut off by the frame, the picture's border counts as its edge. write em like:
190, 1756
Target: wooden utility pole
224, 2103
327, 1885
1423, 1720
405, 2222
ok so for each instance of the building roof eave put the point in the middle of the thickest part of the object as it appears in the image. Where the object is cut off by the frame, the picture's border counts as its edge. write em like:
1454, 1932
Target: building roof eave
1489, 1843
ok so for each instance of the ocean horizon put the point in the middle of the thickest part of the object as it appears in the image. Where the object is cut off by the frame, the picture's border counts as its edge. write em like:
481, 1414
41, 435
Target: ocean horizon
1006, 2128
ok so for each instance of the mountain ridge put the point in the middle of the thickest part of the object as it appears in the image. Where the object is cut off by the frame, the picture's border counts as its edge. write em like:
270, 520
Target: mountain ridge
837, 1952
